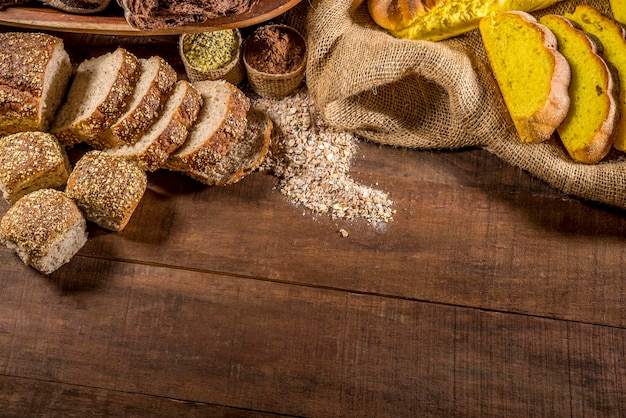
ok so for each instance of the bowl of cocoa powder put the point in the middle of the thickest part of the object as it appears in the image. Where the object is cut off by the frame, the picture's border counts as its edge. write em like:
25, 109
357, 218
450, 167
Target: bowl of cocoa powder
274, 56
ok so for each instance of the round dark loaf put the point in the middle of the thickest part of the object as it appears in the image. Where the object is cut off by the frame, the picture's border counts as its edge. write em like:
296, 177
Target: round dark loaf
78, 6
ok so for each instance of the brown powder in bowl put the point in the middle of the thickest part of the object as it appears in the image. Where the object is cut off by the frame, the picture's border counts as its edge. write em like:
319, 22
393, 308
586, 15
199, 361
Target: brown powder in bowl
275, 49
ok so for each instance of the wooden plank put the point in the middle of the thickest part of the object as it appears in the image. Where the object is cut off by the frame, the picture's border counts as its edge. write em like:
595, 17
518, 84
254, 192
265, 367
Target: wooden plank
21, 398
526, 249
297, 350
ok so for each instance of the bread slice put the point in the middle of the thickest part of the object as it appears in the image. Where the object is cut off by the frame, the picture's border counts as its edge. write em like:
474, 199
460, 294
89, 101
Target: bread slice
156, 79
97, 97
107, 188
35, 71
168, 133
45, 229
532, 75
244, 155
221, 122
587, 131
613, 39
30, 161
618, 7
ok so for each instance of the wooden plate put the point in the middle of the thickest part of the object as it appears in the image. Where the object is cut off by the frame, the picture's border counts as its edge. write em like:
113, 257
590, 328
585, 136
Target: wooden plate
52, 19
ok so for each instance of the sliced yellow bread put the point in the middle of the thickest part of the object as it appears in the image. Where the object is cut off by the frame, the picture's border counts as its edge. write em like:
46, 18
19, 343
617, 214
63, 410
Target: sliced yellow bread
618, 7
613, 39
532, 75
587, 131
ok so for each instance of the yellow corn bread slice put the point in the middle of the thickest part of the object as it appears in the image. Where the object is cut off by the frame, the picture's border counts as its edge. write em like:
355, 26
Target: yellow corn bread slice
613, 39
532, 75
618, 7
587, 131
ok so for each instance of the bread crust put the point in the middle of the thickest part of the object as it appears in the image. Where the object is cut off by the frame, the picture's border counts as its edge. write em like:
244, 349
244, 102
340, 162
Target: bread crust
25, 59
90, 128
134, 122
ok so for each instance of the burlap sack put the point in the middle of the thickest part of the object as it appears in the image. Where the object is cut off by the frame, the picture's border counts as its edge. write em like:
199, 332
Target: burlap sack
434, 95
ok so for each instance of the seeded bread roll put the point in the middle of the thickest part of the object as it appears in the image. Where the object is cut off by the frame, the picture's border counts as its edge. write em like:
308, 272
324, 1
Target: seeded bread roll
30, 161
107, 188
532, 75
168, 133
35, 70
587, 131
221, 122
155, 82
45, 229
97, 97
244, 155
78, 6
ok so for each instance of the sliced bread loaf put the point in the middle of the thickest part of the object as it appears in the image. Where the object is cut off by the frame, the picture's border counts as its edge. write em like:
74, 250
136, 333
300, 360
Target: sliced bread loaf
532, 75
107, 188
587, 131
613, 39
244, 156
45, 229
97, 97
35, 70
618, 7
221, 122
156, 79
31, 161
169, 132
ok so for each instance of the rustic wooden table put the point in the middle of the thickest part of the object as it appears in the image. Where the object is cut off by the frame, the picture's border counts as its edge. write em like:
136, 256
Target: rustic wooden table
490, 294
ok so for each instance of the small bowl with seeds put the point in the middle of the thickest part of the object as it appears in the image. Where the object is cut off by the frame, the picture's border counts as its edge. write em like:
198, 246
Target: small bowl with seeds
274, 57
213, 55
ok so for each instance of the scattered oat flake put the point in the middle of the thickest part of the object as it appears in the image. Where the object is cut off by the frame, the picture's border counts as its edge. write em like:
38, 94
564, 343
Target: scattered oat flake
313, 161
343, 233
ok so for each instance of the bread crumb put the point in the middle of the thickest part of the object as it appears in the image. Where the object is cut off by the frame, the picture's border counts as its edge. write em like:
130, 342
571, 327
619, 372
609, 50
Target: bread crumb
343, 233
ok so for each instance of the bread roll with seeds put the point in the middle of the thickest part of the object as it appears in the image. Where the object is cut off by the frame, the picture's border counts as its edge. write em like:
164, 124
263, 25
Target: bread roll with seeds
168, 133
221, 122
45, 229
31, 161
107, 188
35, 70
244, 156
156, 80
97, 97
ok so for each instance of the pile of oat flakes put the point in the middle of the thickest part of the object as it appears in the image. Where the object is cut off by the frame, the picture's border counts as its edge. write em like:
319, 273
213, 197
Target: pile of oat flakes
313, 161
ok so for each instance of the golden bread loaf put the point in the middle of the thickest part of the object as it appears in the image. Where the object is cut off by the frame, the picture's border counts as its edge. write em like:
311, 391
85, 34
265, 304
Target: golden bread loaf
434, 20
618, 7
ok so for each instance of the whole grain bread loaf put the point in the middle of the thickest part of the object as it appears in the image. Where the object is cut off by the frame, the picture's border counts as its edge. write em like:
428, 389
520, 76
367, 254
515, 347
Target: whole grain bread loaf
244, 156
45, 229
78, 6
155, 81
31, 161
107, 188
98, 95
154, 14
168, 133
532, 75
35, 70
221, 122
587, 131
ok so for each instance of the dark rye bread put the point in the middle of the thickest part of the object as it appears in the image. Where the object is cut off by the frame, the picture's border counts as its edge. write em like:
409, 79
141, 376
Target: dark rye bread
154, 14
156, 79
98, 95
221, 122
244, 156
78, 6
168, 133
45, 229
35, 70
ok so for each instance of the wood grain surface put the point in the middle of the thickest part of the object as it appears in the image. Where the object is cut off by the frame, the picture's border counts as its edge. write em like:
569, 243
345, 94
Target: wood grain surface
490, 294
